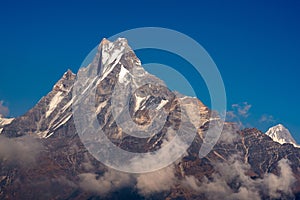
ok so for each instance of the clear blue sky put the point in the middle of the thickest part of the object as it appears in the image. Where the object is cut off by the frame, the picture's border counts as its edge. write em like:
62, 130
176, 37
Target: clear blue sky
255, 44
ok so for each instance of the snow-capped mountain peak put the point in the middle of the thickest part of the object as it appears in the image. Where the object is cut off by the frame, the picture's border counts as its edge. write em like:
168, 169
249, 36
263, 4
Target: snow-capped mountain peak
4, 121
109, 56
281, 135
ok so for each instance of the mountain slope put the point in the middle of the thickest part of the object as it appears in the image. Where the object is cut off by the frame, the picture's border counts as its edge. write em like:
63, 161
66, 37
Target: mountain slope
49, 114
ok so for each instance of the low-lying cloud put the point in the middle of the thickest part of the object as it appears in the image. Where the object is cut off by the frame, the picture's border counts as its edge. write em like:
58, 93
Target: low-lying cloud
155, 182
282, 183
22, 151
145, 184
229, 133
110, 181
231, 182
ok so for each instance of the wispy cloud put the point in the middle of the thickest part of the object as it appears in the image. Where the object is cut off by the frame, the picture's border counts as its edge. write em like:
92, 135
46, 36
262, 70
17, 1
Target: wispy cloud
3, 109
265, 118
242, 109
238, 113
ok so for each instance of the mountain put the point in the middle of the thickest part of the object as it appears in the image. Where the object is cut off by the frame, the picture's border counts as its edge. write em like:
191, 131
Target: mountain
281, 135
44, 154
4, 121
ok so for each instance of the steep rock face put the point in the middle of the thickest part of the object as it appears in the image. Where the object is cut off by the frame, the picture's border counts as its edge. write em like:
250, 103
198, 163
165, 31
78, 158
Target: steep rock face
63, 160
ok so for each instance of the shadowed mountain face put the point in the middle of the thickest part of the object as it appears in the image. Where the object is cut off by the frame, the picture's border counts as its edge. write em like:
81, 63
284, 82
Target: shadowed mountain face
43, 157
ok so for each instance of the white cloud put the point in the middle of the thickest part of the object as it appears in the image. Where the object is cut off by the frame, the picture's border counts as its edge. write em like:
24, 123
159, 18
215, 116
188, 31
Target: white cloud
110, 181
146, 184
276, 184
157, 181
231, 182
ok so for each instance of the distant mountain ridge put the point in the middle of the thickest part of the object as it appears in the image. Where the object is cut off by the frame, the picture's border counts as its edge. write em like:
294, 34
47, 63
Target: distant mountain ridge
281, 135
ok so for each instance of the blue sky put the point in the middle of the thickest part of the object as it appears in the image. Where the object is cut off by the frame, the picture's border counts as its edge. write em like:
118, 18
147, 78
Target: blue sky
255, 44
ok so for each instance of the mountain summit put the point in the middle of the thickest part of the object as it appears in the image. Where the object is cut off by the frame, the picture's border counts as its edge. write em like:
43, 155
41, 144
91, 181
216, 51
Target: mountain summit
281, 135
4, 121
